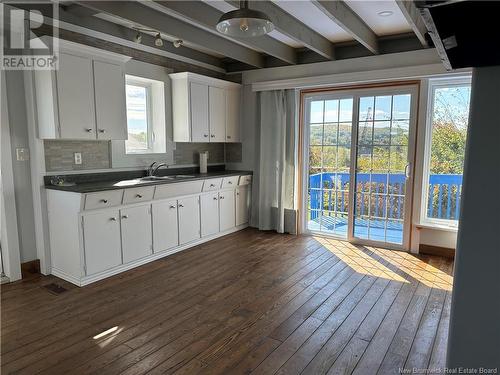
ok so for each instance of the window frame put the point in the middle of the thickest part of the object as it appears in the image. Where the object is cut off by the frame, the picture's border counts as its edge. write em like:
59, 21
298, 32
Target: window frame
148, 85
433, 85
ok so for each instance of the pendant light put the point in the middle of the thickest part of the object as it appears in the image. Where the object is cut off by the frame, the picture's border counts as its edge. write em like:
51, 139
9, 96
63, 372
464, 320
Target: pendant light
244, 22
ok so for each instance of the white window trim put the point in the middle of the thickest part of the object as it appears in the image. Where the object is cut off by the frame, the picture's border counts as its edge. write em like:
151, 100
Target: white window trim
434, 84
119, 158
147, 84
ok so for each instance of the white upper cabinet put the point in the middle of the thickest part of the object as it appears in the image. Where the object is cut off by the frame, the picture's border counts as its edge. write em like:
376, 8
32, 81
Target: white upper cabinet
84, 98
205, 109
198, 94
217, 114
233, 97
75, 93
110, 104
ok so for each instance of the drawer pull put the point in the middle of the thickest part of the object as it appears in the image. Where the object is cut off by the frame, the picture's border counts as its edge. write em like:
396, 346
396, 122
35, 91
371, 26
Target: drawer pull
221, 197
88, 130
212, 135
230, 182
180, 205
212, 185
112, 218
215, 198
125, 217
171, 207
102, 130
138, 196
104, 201
228, 137
205, 135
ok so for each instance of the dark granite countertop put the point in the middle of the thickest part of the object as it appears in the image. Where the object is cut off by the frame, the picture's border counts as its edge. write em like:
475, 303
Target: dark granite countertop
94, 182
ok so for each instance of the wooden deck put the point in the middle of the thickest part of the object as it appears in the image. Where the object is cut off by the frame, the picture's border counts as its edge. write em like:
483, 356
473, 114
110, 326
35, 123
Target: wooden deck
251, 302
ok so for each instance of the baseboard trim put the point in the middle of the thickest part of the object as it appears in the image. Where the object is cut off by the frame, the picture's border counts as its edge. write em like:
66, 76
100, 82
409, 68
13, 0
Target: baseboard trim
33, 266
436, 250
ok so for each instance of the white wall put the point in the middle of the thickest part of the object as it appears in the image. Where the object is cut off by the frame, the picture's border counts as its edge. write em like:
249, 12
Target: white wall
474, 337
21, 169
400, 66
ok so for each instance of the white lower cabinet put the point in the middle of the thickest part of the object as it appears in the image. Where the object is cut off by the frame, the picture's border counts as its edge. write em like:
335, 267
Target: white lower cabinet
189, 219
123, 228
209, 207
137, 241
101, 237
227, 216
165, 225
242, 204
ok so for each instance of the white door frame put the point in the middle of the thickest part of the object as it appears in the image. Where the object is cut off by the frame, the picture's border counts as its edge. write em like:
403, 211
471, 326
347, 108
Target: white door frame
10, 236
355, 93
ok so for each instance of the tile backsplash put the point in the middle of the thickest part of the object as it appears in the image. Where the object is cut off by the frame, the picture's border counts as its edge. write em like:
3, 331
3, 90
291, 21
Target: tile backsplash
59, 154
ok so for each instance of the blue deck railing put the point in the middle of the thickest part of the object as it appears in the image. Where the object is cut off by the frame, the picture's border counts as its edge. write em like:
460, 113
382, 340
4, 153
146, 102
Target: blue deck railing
330, 191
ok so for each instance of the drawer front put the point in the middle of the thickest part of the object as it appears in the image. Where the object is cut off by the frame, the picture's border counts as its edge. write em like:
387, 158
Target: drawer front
103, 199
245, 180
212, 184
229, 182
140, 194
178, 189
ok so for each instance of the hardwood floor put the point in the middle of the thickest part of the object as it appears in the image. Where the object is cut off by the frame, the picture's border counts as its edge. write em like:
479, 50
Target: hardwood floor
251, 302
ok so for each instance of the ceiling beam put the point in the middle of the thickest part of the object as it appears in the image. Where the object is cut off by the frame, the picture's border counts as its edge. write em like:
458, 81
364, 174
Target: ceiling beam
293, 28
342, 15
414, 18
206, 17
139, 14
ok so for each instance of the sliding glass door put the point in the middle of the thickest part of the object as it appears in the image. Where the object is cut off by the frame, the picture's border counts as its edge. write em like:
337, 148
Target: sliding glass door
358, 146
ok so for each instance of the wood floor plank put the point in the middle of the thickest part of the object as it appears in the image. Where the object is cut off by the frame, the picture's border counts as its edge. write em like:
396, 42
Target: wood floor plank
251, 301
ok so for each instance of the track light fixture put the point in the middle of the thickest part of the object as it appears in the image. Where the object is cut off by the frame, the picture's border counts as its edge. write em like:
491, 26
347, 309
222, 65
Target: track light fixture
158, 41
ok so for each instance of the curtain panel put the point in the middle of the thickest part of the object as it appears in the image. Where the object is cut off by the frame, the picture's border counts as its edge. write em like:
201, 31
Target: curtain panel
278, 130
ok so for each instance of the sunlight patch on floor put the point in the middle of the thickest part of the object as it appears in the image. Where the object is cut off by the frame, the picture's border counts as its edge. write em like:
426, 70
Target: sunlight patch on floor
394, 265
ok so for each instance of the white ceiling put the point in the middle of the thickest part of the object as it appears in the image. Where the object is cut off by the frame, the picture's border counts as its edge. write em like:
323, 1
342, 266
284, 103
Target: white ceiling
309, 14
368, 11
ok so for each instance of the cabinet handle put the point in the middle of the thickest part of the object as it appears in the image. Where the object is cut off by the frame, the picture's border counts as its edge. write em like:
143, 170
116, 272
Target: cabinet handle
88, 130
102, 130
237, 193
215, 198
230, 182
205, 135
172, 207
125, 217
221, 197
228, 137
212, 185
138, 196
104, 201
212, 135
180, 205
112, 218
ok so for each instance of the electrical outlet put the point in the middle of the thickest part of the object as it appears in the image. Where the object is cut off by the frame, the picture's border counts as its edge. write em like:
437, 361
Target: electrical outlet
22, 154
78, 158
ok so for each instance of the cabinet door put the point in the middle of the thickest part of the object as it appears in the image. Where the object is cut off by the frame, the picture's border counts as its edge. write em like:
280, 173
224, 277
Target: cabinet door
137, 241
109, 83
217, 113
165, 226
233, 115
101, 235
227, 210
242, 204
209, 207
198, 95
189, 219
75, 94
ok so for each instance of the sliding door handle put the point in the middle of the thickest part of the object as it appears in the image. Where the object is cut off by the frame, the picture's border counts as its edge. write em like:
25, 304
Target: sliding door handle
408, 170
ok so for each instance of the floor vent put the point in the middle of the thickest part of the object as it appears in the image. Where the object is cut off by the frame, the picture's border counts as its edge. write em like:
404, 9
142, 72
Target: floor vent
55, 289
